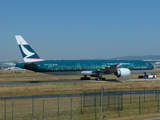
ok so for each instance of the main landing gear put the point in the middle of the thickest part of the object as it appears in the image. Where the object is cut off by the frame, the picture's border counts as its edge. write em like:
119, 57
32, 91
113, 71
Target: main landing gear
100, 78
85, 78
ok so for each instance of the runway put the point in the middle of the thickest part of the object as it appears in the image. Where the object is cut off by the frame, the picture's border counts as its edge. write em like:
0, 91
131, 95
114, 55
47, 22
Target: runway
111, 93
156, 118
8, 83
46, 82
25, 76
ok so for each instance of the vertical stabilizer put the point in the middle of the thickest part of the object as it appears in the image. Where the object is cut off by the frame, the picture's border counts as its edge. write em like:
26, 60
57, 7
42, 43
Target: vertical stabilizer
29, 55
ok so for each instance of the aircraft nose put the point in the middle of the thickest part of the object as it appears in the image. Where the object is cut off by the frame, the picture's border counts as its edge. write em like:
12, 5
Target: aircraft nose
151, 65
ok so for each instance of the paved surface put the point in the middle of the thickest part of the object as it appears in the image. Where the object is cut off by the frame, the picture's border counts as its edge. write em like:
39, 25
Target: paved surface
25, 76
45, 82
106, 93
157, 118
68, 81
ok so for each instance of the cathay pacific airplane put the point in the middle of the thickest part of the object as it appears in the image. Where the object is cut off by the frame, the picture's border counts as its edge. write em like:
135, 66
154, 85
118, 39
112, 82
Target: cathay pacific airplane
92, 68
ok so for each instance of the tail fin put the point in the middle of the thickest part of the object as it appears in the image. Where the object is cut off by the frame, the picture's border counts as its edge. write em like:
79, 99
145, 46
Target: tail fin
29, 55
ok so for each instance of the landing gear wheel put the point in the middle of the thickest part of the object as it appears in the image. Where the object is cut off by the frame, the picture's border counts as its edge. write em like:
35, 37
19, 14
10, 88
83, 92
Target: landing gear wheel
85, 78
100, 78
82, 78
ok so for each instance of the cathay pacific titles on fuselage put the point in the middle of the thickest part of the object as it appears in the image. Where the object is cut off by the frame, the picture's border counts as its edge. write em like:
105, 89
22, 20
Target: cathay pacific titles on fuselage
93, 68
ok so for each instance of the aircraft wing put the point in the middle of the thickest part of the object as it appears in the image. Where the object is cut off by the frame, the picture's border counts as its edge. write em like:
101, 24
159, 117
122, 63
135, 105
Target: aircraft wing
109, 69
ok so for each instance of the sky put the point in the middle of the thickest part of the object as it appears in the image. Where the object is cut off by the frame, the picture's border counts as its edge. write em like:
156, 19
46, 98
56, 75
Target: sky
80, 29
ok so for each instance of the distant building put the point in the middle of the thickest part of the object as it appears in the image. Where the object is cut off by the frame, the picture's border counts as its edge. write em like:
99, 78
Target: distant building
9, 66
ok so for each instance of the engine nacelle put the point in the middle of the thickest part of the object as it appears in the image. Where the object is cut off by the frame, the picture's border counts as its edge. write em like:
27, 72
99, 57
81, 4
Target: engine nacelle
123, 72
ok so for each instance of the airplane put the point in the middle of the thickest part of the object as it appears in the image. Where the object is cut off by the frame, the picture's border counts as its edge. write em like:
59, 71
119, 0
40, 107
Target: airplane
92, 68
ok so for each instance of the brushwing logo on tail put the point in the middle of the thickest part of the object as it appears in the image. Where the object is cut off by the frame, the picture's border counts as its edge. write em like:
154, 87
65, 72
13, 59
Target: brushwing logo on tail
26, 51
29, 55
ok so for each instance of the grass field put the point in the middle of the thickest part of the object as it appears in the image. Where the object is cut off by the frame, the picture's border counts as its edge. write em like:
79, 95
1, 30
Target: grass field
17, 90
62, 88
60, 109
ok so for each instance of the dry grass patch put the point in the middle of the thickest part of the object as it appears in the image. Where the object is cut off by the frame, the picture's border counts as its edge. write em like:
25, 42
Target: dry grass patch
62, 88
23, 109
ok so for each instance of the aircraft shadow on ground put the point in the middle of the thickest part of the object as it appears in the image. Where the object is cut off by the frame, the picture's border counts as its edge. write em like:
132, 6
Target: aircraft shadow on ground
66, 81
40, 81
34, 81
112, 80
109, 80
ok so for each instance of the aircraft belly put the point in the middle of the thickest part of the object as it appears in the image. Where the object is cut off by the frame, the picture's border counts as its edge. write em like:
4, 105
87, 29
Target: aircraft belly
64, 73
71, 73
88, 73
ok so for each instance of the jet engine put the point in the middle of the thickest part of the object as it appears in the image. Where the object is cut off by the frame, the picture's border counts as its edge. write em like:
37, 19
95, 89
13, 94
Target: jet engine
122, 72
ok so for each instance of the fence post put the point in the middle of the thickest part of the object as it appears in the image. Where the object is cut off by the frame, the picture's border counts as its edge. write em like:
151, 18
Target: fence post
121, 100
81, 102
158, 104
100, 98
155, 92
71, 111
102, 110
12, 111
33, 107
43, 110
130, 96
144, 94
93, 96
95, 108
4, 108
102, 91
114, 96
118, 105
139, 104
108, 97
84, 99
58, 106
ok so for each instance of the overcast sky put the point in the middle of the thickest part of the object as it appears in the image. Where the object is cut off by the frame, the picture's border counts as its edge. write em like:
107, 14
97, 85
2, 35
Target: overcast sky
80, 29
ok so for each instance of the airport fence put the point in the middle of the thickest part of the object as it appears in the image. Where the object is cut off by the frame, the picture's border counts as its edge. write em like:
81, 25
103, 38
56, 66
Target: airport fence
92, 105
